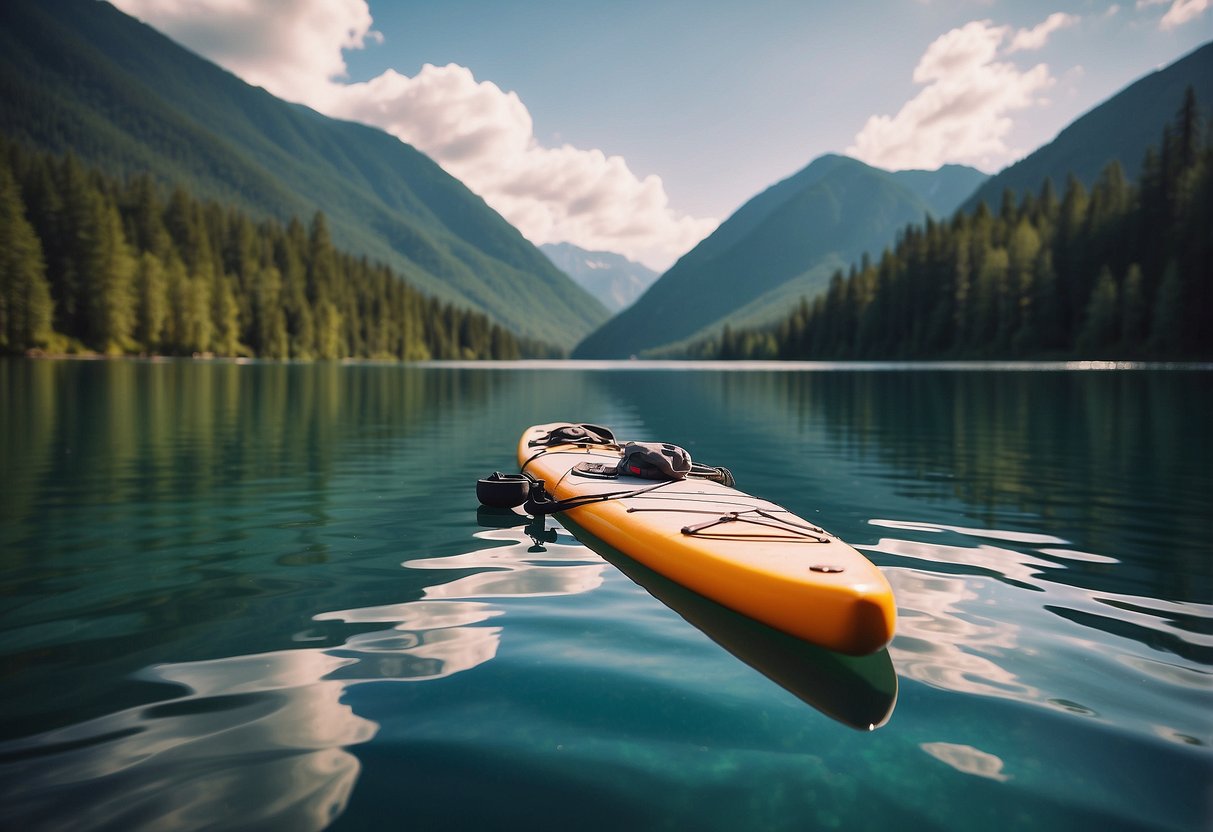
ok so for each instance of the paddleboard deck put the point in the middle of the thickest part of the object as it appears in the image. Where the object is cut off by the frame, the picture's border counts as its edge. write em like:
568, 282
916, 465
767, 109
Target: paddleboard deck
744, 552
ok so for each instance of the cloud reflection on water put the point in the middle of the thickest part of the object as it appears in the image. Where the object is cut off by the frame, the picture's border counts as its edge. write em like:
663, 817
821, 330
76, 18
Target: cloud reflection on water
259, 741
967, 759
555, 569
272, 757
966, 625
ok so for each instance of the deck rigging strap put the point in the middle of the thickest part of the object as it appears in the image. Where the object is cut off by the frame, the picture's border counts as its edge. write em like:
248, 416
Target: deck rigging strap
804, 530
542, 503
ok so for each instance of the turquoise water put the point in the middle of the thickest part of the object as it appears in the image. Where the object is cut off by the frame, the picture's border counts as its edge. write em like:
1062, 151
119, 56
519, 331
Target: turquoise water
262, 596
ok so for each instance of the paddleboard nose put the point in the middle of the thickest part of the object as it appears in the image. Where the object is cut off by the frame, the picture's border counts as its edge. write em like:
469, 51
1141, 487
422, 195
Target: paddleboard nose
873, 622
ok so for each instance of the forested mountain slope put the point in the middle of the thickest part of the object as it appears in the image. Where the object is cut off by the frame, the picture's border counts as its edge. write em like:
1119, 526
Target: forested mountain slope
1120, 129
79, 76
783, 243
1122, 271
89, 263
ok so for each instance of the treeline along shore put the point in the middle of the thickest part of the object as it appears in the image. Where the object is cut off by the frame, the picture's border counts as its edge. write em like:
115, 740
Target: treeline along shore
92, 264
1122, 271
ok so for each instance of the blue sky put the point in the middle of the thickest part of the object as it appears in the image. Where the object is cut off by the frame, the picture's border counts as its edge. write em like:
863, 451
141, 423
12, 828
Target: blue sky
637, 126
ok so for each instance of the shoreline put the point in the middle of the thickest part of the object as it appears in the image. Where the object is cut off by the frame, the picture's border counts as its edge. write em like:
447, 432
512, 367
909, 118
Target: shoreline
657, 365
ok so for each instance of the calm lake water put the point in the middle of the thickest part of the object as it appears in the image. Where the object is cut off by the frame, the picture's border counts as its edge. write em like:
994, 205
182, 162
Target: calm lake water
262, 596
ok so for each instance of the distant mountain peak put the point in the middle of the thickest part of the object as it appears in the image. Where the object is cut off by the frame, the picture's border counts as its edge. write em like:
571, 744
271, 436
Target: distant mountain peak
782, 244
612, 278
944, 188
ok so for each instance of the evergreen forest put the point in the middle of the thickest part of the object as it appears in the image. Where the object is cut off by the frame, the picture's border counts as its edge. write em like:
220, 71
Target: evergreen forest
89, 263
1122, 271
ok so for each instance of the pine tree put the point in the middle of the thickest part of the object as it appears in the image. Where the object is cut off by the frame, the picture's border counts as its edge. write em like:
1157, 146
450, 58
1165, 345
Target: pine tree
1046, 331
1165, 323
77, 244
198, 324
1133, 321
175, 335
184, 221
226, 318
299, 323
144, 216
321, 261
328, 331
1070, 252
1101, 329
1048, 207
26, 308
110, 299
990, 304
151, 302
1188, 131
1023, 254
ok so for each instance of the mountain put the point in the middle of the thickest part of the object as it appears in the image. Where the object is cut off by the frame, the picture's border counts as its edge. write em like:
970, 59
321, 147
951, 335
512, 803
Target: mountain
612, 278
944, 189
782, 244
1121, 128
80, 76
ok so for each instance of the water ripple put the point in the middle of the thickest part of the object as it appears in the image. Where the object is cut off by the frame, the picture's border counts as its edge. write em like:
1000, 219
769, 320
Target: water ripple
972, 619
275, 723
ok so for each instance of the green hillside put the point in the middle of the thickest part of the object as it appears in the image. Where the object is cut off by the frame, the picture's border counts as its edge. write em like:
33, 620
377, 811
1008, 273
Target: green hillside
90, 264
1120, 129
784, 243
1118, 272
77, 75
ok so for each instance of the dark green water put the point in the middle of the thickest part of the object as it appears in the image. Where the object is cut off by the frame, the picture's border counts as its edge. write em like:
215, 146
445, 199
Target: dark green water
259, 596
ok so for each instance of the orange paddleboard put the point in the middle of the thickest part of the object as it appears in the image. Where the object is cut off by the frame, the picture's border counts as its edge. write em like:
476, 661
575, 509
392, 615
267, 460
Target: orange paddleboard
743, 552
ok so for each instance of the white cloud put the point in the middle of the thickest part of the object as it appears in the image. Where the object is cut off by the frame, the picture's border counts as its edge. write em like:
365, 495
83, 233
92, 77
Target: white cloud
286, 50
482, 135
1036, 37
485, 137
962, 114
1181, 12
960, 51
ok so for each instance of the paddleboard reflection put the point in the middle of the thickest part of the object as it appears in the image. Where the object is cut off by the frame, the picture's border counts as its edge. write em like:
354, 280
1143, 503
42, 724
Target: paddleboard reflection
859, 692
